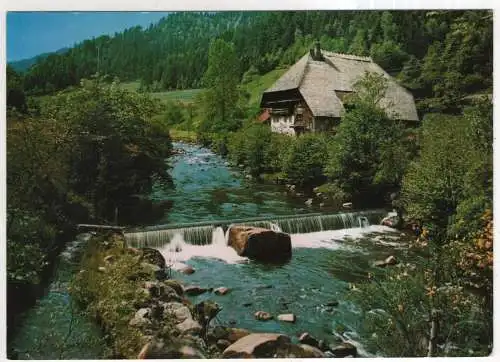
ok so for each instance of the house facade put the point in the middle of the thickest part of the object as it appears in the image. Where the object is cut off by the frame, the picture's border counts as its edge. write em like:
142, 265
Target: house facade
309, 96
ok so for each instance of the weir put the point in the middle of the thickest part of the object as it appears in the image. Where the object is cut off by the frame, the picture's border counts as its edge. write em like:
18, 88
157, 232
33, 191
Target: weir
202, 233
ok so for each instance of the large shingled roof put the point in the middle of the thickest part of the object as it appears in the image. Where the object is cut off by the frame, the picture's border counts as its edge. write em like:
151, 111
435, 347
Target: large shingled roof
319, 81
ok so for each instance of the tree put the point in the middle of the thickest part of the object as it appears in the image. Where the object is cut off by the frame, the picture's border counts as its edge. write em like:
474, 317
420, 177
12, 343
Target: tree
369, 154
16, 99
305, 162
221, 80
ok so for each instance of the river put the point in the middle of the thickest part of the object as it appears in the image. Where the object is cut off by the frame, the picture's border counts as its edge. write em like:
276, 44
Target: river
324, 262
328, 255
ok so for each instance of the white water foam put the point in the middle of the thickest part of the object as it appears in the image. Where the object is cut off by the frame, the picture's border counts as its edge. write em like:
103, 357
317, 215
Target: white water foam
178, 251
333, 239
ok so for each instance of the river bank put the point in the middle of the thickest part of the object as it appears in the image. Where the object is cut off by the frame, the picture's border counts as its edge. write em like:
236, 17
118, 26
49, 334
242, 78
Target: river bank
144, 313
327, 257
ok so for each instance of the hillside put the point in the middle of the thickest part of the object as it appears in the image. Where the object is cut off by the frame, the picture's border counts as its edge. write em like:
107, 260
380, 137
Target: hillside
439, 56
24, 65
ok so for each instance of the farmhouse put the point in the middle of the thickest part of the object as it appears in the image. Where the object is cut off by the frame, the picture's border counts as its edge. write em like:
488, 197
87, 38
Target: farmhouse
309, 96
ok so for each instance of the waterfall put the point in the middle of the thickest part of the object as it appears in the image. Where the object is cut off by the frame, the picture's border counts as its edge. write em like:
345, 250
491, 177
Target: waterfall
218, 237
363, 222
206, 233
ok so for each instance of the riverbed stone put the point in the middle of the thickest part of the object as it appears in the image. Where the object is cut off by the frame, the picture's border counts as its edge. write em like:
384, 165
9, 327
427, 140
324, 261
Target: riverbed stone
309, 202
262, 316
194, 290
344, 349
259, 243
257, 345
188, 270
189, 326
308, 351
161, 350
140, 318
178, 310
221, 291
390, 260
332, 303
289, 317
306, 338
222, 344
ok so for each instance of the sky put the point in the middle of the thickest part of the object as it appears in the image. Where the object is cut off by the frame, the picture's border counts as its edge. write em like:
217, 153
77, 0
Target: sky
33, 33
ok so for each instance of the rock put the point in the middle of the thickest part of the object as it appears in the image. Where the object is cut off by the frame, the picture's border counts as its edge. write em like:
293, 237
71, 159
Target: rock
262, 316
140, 318
109, 258
259, 243
235, 334
153, 256
390, 260
216, 333
175, 285
391, 221
221, 291
321, 204
150, 268
223, 344
160, 350
132, 251
188, 270
257, 345
267, 286
162, 291
322, 345
206, 311
306, 338
333, 303
189, 326
309, 202
308, 351
194, 290
178, 310
344, 349
247, 304
189, 352
101, 269
290, 318
347, 205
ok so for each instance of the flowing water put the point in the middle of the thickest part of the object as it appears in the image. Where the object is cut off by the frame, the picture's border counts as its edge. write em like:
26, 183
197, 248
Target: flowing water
55, 328
330, 250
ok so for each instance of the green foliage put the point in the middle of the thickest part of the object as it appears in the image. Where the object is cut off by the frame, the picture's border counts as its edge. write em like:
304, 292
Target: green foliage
439, 180
442, 55
369, 153
219, 100
397, 310
306, 160
250, 147
87, 152
109, 296
173, 114
16, 99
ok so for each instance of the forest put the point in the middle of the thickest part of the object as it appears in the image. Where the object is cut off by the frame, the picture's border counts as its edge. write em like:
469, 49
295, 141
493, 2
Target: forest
80, 147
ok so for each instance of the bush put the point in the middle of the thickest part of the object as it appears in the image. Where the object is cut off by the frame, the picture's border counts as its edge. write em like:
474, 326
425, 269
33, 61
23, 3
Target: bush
305, 162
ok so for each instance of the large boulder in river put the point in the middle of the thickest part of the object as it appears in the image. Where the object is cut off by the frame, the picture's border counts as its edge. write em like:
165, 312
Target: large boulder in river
257, 345
259, 243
